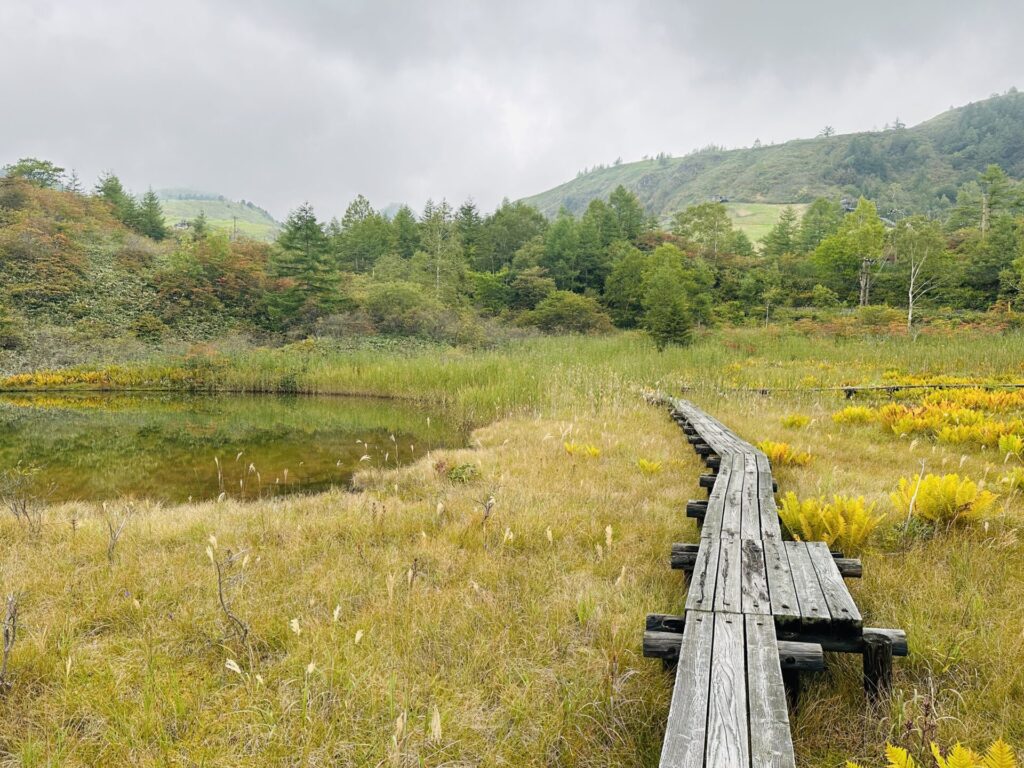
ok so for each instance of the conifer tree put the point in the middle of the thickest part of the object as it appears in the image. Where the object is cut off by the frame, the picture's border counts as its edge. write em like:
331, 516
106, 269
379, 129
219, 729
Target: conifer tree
200, 225
151, 217
109, 187
406, 232
303, 259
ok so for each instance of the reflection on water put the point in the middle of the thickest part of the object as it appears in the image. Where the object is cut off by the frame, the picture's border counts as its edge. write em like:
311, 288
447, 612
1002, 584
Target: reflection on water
174, 447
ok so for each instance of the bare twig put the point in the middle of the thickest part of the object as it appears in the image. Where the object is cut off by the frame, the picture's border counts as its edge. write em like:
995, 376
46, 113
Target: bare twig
10, 635
224, 568
488, 506
18, 492
114, 530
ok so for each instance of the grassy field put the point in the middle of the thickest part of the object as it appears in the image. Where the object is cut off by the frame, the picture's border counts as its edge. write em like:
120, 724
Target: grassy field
757, 219
417, 622
222, 215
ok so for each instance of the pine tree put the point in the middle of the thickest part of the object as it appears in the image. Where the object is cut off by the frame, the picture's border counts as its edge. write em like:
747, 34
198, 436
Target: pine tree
469, 225
561, 251
666, 314
675, 296
303, 259
73, 183
406, 232
781, 238
821, 219
361, 237
629, 214
109, 187
151, 217
200, 226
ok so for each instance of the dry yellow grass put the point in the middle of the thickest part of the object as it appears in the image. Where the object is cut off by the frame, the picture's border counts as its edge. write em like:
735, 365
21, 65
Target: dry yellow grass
527, 648
417, 622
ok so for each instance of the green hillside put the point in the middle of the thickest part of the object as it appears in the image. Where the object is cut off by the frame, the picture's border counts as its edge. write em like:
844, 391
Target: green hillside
756, 219
917, 168
222, 214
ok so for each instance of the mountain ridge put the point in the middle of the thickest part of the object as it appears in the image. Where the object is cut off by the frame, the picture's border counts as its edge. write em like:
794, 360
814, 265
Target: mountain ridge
916, 168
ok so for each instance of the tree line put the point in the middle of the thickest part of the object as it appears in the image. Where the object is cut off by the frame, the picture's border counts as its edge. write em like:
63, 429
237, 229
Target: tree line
454, 272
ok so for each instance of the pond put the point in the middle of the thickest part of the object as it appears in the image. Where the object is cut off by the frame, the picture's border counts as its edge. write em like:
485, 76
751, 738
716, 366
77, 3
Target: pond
174, 447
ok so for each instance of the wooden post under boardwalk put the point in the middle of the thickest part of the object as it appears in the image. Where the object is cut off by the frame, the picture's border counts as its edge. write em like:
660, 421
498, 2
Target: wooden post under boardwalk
877, 664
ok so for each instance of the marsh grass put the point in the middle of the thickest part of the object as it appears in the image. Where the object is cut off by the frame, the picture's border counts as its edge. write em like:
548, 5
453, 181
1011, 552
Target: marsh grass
417, 622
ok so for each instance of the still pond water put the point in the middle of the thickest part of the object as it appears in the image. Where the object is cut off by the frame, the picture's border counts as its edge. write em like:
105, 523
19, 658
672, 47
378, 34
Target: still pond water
173, 447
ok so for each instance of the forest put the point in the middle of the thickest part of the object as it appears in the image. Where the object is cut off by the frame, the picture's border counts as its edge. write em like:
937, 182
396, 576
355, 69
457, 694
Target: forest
102, 264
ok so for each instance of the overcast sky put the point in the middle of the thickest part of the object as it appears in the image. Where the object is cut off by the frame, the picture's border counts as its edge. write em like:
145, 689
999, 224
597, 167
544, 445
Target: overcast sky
280, 101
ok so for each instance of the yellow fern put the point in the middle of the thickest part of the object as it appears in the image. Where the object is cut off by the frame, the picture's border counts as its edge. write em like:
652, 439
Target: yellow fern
844, 522
1012, 445
958, 757
783, 455
795, 421
899, 757
576, 449
855, 414
648, 467
999, 755
944, 500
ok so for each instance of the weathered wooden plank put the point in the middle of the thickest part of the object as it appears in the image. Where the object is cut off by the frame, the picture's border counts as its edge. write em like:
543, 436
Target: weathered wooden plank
712, 528
771, 745
728, 743
701, 593
731, 515
729, 584
686, 730
754, 578
781, 589
813, 606
750, 514
771, 528
845, 616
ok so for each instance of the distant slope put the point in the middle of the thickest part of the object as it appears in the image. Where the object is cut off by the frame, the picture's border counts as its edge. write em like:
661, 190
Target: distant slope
221, 213
756, 219
914, 168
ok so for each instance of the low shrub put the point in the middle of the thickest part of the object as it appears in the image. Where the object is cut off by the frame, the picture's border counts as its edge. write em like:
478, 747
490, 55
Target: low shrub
463, 473
942, 501
844, 522
567, 312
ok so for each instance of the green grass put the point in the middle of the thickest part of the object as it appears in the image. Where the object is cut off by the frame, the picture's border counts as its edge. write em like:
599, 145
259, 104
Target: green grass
223, 215
757, 219
526, 647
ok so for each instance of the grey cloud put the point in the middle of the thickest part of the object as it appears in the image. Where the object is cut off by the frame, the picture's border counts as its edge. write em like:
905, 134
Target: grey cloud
279, 102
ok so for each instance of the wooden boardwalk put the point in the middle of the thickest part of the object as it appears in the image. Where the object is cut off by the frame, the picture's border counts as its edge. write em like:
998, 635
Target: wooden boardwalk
759, 611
